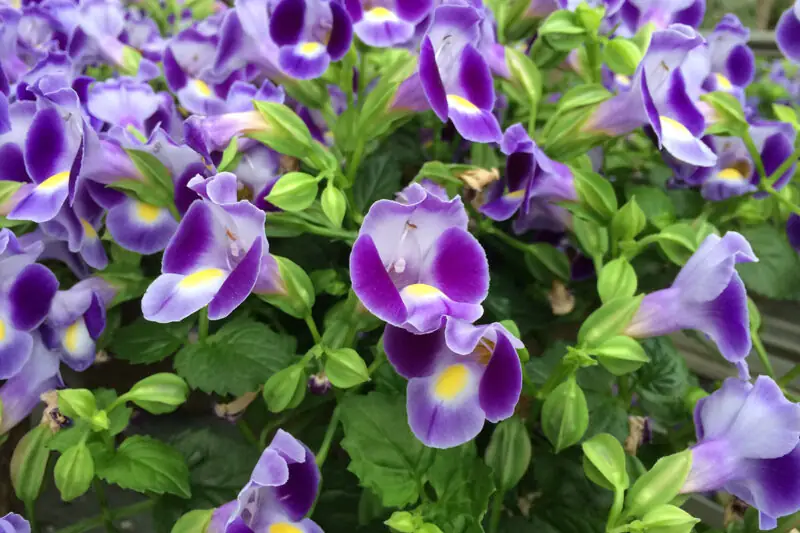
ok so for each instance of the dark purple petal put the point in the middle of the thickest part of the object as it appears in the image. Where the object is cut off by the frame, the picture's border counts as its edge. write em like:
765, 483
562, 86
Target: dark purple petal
238, 285
475, 79
432, 83
741, 65
297, 495
341, 32
412, 356
45, 144
176, 78
30, 296
692, 15
413, 10
682, 107
184, 196
472, 123
372, 283
774, 485
725, 320
354, 9
501, 384
776, 150
459, 267
95, 317
793, 231
231, 43
194, 239
287, 21
13, 167
787, 35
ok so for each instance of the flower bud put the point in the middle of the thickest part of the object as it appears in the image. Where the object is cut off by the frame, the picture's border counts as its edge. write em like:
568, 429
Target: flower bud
319, 384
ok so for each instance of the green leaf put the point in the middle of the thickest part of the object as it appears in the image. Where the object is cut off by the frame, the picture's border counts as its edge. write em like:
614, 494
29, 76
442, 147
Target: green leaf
545, 261
604, 462
228, 156
237, 359
565, 415
655, 204
194, 521
284, 131
777, 273
729, 110
678, 241
608, 321
628, 222
294, 191
620, 355
524, 72
155, 172
379, 177
783, 113
284, 387
463, 485
147, 465
68, 437
384, 454
77, 403
509, 453
596, 193
592, 237
7, 190
617, 279
144, 192
158, 394
298, 295
582, 96
659, 485
74, 472
402, 521
668, 519
334, 204
662, 383
118, 418
144, 342
622, 56
345, 368
129, 284
29, 462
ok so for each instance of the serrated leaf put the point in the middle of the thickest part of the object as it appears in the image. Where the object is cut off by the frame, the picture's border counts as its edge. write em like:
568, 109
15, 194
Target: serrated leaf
144, 342
384, 454
237, 359
378, 178
147, 465
777, 273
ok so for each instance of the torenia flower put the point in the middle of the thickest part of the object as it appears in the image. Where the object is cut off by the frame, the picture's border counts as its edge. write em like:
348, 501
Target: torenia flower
748, 444
413, 264
385, 23
459, 376
281, 491
14, 523
20, 394
661, 98
532, 184
661, 13
122, 102
732, 62
217, 257
787, 32
455, 77
26, 291
707, 295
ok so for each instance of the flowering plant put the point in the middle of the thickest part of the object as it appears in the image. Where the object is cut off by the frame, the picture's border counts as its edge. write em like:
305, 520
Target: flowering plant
394, 265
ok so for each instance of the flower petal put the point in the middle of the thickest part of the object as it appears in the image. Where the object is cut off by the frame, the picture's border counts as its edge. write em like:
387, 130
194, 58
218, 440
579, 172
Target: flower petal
173, 297
412, 356
30, 296
501, 383
458, 267
238, 285
372, 283
139, 227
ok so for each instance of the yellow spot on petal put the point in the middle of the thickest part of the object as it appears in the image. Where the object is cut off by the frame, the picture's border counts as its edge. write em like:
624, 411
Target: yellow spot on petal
379, 14
724, 83
732, 174
201, 277
202, 87
623, 79
676, 129
2, 331
88, 230
451, 382
516, 194
55, 181
462, 103
147, 212
310, 48
283, 527
71, 337
420, 289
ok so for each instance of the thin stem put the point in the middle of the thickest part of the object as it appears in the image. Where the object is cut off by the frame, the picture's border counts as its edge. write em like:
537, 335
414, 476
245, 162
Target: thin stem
616, 509
503, 236
322, 454
762, 354
782, 199
202, 325
790, 376
624, 390
752, 149
249, 436
312, 327
597, 259
30, 506
105, 513
355, 161
786, 165
95, 521
497, 509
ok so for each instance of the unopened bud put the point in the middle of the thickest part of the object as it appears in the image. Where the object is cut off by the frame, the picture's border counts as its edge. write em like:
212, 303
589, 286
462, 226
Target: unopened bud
319, 384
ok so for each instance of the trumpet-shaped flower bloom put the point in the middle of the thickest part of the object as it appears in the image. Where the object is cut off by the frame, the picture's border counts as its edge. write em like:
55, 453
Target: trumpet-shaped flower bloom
414, 264
384, 23
660, 96
217, 257
459, 376
455, 77
732, 62
707, 295
748, 444
661, 13
280, 493
123, 102
532, 184
14, 523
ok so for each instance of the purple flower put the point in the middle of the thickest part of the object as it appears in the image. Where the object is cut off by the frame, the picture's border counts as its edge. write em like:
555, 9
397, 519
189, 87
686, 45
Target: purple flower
661, 97
532, 185
455, 77
733, 173
217, 257
123, 102
787, 32
793, 231
707, 295
732, 62
385, 23
14, 523
26, 291
459, 376
280, 493
20, 394
258, 170
636, 13
414, 264
748, 444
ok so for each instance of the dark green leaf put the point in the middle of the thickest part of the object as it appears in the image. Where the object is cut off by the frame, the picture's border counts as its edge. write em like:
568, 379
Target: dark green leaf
147, 465
145, 342
378, 178
777, 273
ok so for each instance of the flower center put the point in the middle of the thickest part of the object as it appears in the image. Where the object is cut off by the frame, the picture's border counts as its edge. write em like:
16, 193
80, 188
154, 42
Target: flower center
2, 331
462, 104
674, 128
451, 382
284, 527
201, 277
310, 48
90, 232
724, 83
379, 14
147, 212
71, 337
421, 290
731, 174
55, 181
202, 87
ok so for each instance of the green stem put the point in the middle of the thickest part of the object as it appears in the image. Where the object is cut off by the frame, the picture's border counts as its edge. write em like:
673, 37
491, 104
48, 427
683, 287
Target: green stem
616, 509
790, 376
784, 167
249, 436
105, 513
782, 199
497, 509
561, 372
355, 161
344, 235
202, 324
752, 149
95, 521
31, 515
322, 454
597, 259
624, 390
504, 237
762, 354
312, 327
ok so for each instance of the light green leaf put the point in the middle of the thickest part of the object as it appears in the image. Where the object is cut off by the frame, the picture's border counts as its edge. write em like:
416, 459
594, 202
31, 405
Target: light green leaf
147, 465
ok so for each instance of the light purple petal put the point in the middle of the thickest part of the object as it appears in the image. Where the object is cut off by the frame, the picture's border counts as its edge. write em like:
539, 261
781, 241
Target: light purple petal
238, 285
140, 227
173, 297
